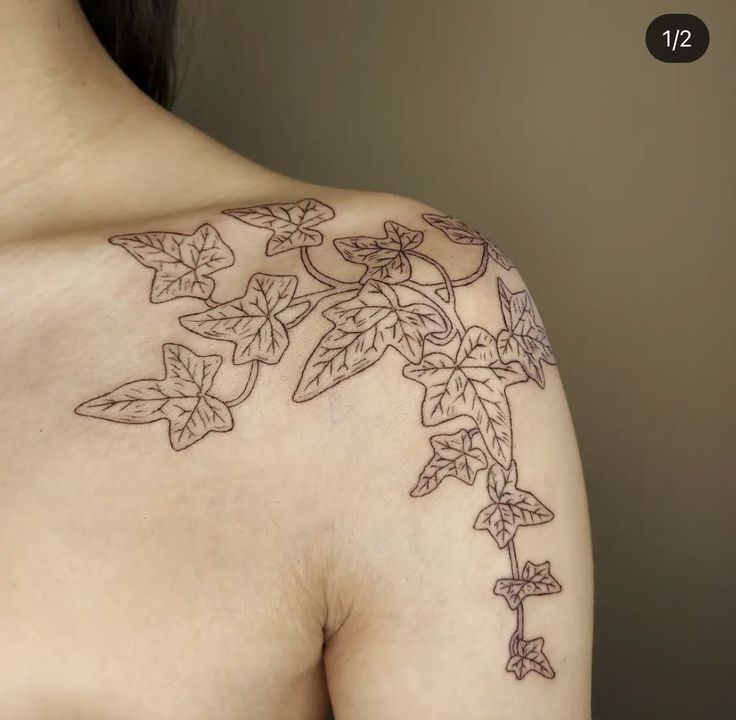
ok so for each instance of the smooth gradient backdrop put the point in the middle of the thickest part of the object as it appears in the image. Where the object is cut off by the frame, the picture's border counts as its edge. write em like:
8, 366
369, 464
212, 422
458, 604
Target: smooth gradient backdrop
610, 178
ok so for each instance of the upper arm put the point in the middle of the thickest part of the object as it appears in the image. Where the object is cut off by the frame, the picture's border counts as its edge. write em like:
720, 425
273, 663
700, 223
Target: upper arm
465, 570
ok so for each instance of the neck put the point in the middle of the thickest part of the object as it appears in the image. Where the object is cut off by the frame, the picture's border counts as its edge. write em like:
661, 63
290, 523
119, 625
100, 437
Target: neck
59, 88
73, 128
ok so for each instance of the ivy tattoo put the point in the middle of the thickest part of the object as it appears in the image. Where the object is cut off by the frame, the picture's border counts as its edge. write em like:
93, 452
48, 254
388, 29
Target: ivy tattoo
466, 372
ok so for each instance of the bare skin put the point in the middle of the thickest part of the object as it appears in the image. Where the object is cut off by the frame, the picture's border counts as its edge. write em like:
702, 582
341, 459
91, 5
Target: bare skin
310, 539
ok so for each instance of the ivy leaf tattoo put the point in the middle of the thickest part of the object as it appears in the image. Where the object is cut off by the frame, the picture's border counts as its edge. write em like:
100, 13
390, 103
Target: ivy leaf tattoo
182, 397
385, 257
461, 233
472, 384
365, 326
291, 224
465, 373
524, 340
510, 508
530, 658
454, 456
535, 580
250, 321
183, 263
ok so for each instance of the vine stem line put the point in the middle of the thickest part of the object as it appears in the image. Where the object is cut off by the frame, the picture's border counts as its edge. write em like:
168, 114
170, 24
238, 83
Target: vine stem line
316, 273
446, 307
249, 385
519, 631
478, 273
437, 303
441, 270
448, 312
449, 284
512, 559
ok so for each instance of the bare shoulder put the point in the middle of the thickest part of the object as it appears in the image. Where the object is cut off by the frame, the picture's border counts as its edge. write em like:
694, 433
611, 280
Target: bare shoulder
463, 538
380, 366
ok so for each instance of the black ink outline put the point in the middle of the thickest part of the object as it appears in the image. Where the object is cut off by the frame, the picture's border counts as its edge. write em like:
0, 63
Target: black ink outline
510, 507
472, 384
528, 656
250, 322
182, 392
173, 255
285, 221
364, 327
463, 234
536, 579
454, 457
384, 258
524, 340
387, 308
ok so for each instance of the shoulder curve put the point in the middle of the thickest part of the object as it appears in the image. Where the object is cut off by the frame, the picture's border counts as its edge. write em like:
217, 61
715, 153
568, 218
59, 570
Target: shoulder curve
367, 274
427, 219
391, 351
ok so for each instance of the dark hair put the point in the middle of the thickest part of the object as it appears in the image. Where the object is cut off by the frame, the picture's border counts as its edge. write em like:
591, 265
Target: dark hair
139, 35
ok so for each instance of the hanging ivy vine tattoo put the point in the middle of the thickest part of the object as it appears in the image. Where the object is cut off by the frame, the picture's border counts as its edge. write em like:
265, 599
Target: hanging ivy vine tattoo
465, 372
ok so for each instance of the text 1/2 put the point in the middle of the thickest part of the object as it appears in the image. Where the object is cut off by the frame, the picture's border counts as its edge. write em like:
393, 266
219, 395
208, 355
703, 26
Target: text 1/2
677, 38
684, 42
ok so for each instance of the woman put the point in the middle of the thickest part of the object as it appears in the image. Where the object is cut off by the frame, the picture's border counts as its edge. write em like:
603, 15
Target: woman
240, 415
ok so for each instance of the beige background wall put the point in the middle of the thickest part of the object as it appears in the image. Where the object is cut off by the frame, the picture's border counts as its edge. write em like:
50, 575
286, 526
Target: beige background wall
611, 179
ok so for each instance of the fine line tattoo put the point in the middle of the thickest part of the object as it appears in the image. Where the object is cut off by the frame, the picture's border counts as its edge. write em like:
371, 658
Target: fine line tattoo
465, 371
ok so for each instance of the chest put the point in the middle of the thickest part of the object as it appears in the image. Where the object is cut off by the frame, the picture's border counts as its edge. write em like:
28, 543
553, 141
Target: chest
137, 581
129, 592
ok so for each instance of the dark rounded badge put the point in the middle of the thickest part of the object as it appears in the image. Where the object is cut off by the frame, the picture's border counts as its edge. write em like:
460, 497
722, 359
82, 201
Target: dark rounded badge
677, 38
